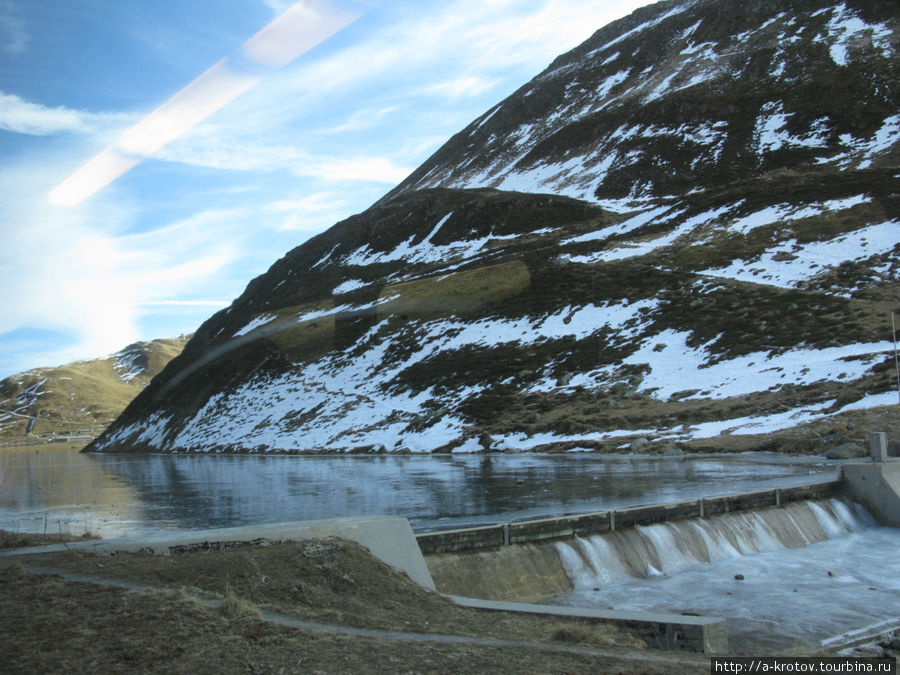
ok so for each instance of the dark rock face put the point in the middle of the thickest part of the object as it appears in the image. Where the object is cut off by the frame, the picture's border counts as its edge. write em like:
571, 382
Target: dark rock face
744, 287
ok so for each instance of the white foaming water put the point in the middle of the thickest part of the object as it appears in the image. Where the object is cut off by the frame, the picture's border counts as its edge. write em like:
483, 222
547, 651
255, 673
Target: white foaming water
809, 571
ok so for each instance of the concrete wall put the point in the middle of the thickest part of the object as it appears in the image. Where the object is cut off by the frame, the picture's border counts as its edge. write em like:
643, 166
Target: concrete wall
525, 572
532, 531
875, 485
658, 629
468, 539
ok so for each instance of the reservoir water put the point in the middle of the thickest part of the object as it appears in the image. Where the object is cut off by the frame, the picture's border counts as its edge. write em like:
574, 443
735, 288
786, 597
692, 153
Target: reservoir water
116, 495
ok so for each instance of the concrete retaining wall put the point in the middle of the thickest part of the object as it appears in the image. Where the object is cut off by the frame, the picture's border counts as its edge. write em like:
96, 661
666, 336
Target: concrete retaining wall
526, 572
659, 630
530, 531
876, 485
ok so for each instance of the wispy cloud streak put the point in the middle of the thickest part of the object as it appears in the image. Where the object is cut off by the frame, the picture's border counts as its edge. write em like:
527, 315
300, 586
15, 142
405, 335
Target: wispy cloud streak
23, 117
296, 31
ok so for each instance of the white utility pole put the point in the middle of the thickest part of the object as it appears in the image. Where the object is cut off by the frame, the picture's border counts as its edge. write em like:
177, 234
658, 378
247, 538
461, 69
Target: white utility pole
896, 358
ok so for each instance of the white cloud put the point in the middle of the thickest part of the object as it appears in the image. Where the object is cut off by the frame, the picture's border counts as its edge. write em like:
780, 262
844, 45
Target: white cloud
372, 169
211, 148
23, 117
69, 271
466, 85
186, 303
278, 6
311, 212
361, 119
304, 25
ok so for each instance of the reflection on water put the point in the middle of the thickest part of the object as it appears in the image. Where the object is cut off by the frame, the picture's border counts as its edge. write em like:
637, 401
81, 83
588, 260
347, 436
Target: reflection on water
113, 495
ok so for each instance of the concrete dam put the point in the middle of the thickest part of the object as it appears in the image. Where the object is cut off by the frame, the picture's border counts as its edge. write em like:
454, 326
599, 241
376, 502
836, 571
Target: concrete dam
532, 560
616, 555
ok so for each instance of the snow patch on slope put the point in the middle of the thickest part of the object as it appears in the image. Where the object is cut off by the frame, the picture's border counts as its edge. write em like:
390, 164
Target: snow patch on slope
791, 263
674, 365
845, 27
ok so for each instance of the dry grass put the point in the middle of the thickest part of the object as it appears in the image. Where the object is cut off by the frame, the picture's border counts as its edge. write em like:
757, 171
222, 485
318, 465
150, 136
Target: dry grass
54, 625
25, 539
331, 580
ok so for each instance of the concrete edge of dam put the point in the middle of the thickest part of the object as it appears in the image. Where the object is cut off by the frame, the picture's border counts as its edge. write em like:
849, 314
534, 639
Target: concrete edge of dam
544, 529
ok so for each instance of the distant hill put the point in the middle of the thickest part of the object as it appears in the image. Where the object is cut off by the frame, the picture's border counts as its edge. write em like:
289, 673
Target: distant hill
684, 233
83, 397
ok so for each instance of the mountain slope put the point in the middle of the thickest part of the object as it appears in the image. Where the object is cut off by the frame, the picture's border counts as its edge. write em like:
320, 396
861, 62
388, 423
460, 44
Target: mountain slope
728, 269
683, 96
81, 396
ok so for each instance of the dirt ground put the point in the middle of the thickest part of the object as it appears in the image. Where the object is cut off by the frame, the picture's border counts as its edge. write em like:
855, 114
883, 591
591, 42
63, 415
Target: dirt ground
219, 611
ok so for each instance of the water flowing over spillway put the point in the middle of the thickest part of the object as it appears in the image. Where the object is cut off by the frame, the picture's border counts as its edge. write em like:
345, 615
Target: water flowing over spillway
782, 577
665, 548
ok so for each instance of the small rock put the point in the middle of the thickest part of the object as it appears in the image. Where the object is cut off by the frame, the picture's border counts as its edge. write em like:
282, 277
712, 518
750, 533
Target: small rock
638, 444
739, 577
845, 451
830, 573
673, 451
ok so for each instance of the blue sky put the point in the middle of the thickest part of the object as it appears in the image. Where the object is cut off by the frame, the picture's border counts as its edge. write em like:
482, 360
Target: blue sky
295, 148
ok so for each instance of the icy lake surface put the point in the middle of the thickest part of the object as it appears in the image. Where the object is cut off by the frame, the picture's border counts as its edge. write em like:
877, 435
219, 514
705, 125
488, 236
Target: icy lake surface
115, 495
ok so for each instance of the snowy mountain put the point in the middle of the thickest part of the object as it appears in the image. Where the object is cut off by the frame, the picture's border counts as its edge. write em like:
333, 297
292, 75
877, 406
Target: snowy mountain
686, 231
84, 396
685, 96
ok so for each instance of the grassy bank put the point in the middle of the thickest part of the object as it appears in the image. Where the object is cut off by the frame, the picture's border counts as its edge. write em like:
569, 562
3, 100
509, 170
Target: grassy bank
43, 447
208, 610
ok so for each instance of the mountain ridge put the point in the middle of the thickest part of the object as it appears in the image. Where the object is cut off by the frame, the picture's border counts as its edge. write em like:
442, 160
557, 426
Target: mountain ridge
713, 97
80, 396
740, 287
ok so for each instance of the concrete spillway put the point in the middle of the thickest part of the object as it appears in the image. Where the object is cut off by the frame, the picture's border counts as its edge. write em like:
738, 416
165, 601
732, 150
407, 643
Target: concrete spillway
651, 559
667, 548
526, 560
536, 570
